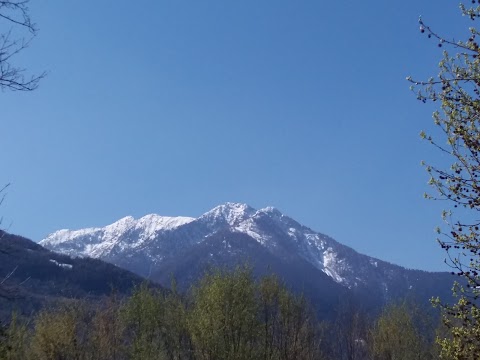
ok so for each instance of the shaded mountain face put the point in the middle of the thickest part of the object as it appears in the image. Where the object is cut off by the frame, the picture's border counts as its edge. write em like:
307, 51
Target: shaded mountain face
157, 247
32, 276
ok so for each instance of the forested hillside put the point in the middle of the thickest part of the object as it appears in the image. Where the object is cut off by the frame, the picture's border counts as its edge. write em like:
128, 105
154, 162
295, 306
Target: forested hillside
32, 277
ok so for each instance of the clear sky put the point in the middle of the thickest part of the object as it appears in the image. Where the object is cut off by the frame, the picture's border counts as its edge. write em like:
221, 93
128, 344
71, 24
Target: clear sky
174, 107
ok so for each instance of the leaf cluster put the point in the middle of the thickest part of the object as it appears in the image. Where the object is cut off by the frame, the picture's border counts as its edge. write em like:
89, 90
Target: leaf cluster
457, 91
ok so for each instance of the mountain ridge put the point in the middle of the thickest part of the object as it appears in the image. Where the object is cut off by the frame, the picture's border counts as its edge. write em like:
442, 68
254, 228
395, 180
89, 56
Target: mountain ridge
153, 249
136, 234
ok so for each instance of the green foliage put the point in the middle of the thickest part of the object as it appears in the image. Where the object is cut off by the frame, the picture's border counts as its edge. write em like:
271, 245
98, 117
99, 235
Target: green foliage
3, 346
457, 89
223, 320
177, 337
13, 340
143, 317
269, 308
227, 315
60, 333
234, 317
462, 341
395, 336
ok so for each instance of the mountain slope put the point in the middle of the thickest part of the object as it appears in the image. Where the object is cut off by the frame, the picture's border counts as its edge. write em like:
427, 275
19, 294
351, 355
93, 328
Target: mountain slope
32, 276
155, 247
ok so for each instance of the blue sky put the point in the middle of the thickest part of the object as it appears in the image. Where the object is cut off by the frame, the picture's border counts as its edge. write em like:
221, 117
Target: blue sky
174, 107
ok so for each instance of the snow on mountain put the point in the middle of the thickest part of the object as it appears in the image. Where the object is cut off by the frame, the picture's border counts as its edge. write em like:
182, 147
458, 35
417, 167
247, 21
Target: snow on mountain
157, 246
228, 213
122, 234
153, 238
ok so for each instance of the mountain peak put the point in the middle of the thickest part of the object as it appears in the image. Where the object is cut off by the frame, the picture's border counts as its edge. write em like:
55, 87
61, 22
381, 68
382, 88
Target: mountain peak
121, 225
270, 210
229, 212
230, 233
235, 205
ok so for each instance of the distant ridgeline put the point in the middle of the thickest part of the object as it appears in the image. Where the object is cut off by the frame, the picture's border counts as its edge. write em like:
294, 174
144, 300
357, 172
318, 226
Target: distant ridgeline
231, 234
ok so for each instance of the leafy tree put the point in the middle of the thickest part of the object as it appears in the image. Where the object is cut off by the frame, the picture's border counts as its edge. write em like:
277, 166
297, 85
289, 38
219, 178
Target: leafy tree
234, 317
269, 307
143, 316
395, 336
16, 340
223, 321
20, 30
178, 343
61, 333
156, 324
3, 346
457, 90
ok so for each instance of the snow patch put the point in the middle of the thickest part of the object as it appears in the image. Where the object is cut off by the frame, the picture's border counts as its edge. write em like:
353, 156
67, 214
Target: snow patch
330, 264
66, 266
249, 227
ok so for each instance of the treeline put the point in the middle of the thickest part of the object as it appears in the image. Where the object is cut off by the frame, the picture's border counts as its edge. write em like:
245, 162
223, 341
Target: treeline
227, 315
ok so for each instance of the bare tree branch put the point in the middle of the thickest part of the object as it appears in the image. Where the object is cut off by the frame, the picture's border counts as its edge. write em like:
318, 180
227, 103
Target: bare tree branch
15, 13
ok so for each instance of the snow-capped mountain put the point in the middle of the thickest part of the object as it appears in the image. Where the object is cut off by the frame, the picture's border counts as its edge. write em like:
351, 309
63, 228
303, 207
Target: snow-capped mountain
125, 234
156, 246
268, 226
